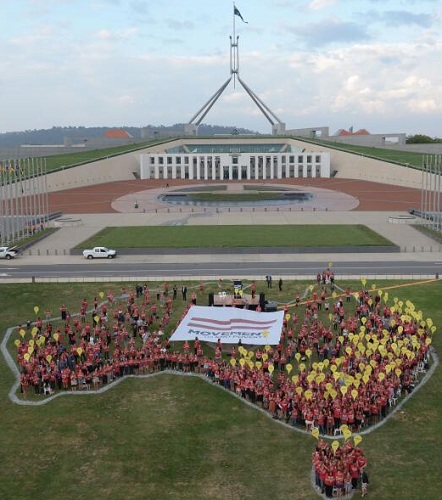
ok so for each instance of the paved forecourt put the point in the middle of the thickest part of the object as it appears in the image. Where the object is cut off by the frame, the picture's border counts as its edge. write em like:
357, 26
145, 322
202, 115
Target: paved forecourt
413, 244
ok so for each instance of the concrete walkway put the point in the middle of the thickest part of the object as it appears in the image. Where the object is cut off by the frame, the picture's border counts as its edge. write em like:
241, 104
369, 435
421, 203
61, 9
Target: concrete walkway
414, 245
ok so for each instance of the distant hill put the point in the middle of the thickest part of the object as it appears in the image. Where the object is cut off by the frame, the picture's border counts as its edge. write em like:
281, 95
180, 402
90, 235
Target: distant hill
57, 135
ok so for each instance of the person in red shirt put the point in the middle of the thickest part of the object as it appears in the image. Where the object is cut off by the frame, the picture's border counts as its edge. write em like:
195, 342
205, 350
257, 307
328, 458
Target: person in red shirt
339, 476
329, 482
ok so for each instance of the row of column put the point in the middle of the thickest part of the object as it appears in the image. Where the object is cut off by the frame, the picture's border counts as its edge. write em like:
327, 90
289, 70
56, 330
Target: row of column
249, 168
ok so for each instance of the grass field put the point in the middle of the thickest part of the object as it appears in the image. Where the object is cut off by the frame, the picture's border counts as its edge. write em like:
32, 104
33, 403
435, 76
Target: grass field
236, 236
407, 158
181, 438
56, 162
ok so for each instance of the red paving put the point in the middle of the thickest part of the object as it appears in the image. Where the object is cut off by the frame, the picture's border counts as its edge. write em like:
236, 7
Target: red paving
372, 196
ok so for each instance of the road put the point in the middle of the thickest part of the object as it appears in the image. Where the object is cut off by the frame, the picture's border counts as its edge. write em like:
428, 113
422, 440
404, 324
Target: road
117, 268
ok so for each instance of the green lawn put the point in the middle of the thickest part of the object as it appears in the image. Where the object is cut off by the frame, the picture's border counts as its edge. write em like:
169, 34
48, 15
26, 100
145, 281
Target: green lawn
55, 162
68, 160
407, 158
175, 437
236, 236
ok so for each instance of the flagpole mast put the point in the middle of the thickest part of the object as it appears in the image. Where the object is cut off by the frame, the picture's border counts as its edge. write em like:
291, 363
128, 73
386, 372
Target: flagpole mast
233, 50
278, 127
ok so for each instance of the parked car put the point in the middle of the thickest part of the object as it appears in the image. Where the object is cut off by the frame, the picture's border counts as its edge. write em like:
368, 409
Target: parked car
8, 252
99, 253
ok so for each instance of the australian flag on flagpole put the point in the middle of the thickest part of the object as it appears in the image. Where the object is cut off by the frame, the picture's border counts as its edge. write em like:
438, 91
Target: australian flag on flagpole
238, 13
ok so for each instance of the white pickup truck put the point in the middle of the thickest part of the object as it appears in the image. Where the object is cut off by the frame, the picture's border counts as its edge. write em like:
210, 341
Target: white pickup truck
8, 252
99, 253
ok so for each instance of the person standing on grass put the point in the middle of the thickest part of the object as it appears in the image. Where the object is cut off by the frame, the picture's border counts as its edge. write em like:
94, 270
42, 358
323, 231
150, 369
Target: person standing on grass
364, 482
280, 284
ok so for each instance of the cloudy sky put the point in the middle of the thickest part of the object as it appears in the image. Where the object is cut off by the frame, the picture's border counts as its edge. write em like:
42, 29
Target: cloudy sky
372, 64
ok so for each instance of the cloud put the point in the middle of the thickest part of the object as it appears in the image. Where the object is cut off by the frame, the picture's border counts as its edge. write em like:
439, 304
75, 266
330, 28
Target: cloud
330, 31
321, 4
398, 18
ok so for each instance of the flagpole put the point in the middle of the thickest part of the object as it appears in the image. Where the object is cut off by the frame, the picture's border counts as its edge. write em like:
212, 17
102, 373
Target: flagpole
232, 49
234, 20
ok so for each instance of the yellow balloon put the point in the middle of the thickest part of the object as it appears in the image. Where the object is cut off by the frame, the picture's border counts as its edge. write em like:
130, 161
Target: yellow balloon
308, 352
287, 316
357, 439
36, 309
258, 365
251, 365
267, 348
271, 368
295, 379
101, 294
48, 358
335, 446
80, 351
344, 390
265, 357
354, 394
16, 342
233, 361
22, 332
302, 367
298, 356
250, 354
346, 433
289, 367
315, 432
56, 337
27, 356
242, 361
298, 390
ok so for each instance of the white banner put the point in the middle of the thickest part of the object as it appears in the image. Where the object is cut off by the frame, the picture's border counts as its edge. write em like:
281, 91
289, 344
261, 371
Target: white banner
230, 325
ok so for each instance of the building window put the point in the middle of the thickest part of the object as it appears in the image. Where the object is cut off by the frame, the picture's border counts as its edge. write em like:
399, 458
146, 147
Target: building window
178, 160
318, 159
186, 160
300, 159
309, 159
169, 160
292, 159
160, 160
152, 160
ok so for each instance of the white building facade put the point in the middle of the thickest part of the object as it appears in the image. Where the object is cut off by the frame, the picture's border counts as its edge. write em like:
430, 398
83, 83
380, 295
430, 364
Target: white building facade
234, 166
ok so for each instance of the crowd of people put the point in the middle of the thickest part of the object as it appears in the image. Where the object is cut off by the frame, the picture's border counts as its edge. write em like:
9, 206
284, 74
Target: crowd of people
344, 363
340, 471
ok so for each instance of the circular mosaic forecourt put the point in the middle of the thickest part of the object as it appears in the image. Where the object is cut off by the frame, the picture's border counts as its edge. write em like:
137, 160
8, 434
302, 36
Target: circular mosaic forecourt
300, 198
